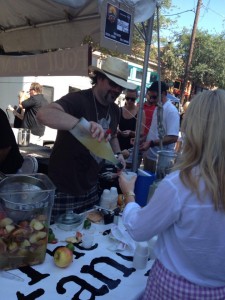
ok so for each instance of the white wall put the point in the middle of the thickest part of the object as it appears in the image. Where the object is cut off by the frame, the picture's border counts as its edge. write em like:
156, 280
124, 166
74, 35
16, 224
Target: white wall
10, 87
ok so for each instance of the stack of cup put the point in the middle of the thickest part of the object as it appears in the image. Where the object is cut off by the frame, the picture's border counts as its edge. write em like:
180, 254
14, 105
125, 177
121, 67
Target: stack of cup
141, 255
114, 197
105, 200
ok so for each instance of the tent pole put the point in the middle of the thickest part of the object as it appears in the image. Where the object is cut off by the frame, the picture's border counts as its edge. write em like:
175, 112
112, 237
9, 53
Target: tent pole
161, 130
148, 40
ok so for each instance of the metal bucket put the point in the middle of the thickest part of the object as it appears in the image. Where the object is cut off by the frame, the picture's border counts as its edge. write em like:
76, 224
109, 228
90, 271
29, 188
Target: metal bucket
165, 162
23, 137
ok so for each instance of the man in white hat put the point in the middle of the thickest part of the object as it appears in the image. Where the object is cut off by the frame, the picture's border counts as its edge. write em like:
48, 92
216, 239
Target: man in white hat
73, 168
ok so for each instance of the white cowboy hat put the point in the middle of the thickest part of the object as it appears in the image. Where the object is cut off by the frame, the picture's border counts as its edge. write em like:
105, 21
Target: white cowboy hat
116, 70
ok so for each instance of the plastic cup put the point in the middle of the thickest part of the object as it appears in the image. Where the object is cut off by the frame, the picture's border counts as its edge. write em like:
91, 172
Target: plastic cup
141, 255
88, 238
128, 174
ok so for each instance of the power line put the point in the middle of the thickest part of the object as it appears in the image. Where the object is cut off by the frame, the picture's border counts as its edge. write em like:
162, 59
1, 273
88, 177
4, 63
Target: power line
218, 14
182, 12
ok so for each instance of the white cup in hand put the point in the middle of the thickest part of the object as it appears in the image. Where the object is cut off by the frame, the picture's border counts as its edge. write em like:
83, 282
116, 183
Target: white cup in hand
128, 175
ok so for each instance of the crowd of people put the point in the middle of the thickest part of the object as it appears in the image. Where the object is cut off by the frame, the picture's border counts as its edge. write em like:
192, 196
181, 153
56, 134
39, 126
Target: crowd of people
187, 210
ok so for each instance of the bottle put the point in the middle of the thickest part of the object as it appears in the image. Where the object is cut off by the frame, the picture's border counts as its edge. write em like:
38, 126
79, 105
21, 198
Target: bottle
114, 197
102, 149
141, 255
105, 200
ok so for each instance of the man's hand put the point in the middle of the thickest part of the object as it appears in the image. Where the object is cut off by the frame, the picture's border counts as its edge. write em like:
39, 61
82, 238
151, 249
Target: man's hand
145, 146
122, 160
97, 131
126, 133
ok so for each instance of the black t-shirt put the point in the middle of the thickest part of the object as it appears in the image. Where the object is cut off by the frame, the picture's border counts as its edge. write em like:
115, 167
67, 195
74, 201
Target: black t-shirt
14, 159
126, 124
72, 168
32, 105
17, 121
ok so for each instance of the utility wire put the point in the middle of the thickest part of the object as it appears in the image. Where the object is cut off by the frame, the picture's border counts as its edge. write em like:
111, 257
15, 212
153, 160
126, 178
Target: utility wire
182, 12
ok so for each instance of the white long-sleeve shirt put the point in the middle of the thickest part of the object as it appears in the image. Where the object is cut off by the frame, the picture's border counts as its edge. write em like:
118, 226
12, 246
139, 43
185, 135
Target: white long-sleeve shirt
191, 234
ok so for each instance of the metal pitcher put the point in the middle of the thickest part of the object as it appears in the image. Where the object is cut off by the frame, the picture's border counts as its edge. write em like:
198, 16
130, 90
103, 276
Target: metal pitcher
165, 162
23, 137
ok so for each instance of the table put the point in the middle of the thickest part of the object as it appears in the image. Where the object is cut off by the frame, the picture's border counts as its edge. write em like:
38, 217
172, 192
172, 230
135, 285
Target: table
96, 273
41, 153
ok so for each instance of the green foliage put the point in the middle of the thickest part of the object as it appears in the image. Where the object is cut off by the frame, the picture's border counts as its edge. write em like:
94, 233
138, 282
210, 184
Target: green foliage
208, 63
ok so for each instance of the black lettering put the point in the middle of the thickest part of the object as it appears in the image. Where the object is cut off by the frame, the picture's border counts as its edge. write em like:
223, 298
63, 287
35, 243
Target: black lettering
127, 258
33, 274
112, 284
34, 295
84, 286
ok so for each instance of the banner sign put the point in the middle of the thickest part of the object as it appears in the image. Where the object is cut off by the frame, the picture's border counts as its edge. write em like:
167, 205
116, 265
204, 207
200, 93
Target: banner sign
71, 62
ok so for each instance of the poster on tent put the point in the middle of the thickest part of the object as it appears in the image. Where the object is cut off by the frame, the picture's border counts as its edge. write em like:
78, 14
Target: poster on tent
117, 22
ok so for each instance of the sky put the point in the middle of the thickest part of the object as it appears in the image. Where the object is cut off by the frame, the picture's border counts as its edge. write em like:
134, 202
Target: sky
212, 15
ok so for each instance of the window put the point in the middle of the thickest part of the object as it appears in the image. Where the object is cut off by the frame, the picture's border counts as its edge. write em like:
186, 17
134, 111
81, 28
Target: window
48, 92
139, 73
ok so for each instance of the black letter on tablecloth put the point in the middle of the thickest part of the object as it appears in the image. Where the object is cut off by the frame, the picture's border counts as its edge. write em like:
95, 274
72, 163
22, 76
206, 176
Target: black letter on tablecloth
112, 284
34, 295
84, 286
33, 274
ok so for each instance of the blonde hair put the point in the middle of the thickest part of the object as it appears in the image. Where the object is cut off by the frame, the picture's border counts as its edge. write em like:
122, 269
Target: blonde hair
204, 145
23, 96
185, 106
36, 87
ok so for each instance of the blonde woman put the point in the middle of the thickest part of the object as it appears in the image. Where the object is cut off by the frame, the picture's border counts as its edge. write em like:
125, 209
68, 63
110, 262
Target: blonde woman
18, 111
187, 211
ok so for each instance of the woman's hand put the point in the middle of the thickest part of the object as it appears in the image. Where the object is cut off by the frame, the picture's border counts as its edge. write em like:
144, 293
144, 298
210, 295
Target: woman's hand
10, 107
125, 184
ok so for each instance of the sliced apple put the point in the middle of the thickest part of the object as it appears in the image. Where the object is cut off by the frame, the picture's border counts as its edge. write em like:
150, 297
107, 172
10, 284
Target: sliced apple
9, 228
35, 237
25, 244
5, 221
36, 224
13, 246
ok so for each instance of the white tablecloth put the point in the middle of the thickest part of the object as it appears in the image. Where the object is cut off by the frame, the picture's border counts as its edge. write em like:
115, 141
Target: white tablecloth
98, 273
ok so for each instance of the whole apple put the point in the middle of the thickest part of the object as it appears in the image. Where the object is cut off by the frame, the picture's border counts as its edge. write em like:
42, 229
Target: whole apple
63, 257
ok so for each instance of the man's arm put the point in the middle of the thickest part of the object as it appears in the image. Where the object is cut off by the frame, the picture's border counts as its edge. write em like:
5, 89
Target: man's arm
168, 139
54, 116
116, 149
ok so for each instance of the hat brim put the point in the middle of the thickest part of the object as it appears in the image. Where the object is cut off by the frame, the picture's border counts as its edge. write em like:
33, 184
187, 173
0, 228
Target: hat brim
121, 82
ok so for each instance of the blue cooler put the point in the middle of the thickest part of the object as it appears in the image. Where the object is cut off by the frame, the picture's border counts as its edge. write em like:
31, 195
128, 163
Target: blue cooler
142, 185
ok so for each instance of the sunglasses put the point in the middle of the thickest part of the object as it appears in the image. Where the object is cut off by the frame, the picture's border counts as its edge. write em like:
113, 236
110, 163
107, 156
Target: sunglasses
130, 98
114, 85
153, 97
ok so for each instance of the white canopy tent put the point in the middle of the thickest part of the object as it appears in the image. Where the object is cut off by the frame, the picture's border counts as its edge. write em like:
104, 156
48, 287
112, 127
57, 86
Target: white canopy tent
37, 25
34, 26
